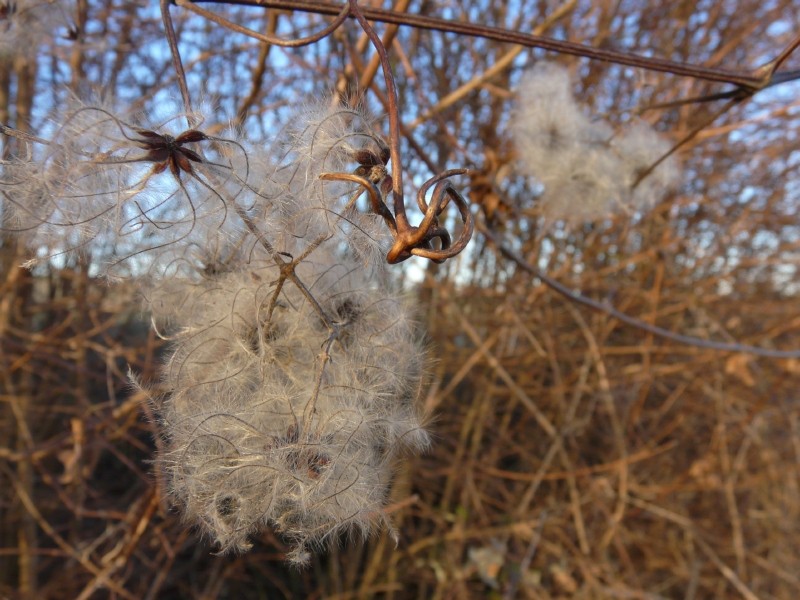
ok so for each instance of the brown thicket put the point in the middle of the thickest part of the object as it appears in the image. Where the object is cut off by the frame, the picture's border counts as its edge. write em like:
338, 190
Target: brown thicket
574, 455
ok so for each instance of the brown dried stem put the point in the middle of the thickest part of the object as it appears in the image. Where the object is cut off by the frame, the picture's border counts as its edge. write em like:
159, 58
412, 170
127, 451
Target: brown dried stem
627, 319
411, 240
743, 79
177, 63
271, 39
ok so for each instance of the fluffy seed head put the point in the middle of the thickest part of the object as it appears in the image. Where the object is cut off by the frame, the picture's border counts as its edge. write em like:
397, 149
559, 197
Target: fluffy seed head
586, 169
274, 419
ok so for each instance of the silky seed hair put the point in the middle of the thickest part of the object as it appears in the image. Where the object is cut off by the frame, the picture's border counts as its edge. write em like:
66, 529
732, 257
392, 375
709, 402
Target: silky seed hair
586, 169
285, 401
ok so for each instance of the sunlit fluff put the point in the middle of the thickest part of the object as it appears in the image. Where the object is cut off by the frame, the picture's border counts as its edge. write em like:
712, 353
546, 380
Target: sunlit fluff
285, 400
587, 170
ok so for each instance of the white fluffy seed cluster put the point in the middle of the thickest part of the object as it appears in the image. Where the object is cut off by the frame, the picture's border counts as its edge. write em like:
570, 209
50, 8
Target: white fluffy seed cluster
272, 419
291, 382
285, 406
587, 170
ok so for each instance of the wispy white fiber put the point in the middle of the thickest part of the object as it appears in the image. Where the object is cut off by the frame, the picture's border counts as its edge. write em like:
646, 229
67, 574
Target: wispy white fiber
587, 169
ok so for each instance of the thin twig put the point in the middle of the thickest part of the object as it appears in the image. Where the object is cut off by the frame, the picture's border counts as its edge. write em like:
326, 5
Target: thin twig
772, 66
690, 136
65, 546
172, 40
394, 117
743, 79
627, 319
271, 39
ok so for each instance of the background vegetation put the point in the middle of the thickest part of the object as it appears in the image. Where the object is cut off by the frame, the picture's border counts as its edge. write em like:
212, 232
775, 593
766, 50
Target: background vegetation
574, 455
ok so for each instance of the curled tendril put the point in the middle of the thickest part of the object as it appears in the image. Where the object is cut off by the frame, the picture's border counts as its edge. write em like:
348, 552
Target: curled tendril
410, 240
